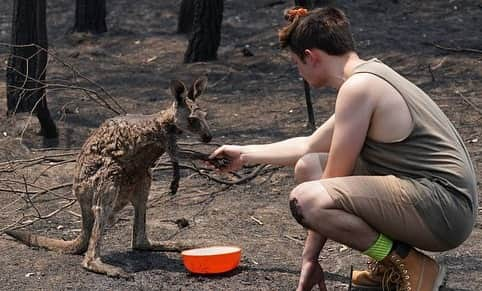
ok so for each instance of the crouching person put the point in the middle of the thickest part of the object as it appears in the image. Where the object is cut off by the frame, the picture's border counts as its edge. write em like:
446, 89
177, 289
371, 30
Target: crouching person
386, 174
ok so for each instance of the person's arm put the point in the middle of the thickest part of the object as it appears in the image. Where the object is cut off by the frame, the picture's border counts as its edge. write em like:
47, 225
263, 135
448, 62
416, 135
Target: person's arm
313, 245
311, 271
285, 153
288, 152
353, 111
320, 140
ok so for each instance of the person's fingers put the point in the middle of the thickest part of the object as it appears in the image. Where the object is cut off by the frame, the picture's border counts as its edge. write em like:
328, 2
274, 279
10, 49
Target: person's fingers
322, 286
217, 152
321, 282
209, 165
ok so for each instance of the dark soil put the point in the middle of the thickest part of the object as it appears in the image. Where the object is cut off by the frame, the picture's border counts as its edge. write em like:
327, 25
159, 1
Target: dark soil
252, 99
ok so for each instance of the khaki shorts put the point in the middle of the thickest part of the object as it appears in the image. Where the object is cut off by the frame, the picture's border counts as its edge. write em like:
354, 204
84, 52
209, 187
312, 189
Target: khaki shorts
418, 212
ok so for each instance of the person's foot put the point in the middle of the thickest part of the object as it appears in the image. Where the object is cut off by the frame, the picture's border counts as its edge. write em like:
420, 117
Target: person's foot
375, 277
416, 271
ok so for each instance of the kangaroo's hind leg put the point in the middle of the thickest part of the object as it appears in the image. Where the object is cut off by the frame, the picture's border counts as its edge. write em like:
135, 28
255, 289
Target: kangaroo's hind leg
140, 240
104, 198
84, 192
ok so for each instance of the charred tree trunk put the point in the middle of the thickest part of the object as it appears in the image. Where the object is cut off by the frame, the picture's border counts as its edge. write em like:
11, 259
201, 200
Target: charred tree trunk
206, 34
27, 64
186, 16
309, 106
90, 16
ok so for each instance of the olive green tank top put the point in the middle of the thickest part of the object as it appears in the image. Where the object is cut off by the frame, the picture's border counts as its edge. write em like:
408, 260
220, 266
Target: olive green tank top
433, 150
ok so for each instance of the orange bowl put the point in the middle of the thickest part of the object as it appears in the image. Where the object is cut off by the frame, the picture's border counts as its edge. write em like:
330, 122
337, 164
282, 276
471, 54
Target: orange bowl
211, 260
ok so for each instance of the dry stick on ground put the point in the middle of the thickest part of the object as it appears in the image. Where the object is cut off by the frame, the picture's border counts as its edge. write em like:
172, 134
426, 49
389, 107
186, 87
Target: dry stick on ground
202, 172
35, 194
55, 149
455, 50
27, 199
52, 166
14, 165
432, 69
468, 101
298, 241
17, 224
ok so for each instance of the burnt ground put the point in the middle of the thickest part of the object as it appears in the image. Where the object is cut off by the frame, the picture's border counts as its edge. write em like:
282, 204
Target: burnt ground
251, 100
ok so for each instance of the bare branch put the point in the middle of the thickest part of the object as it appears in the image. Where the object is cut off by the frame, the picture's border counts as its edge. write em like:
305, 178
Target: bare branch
102, 97
18, 224
455, 50
468, 101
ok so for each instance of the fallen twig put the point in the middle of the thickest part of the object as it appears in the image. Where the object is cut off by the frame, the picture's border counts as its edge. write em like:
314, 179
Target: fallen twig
74, 213
244, 179
34, 193
15, 226
468, 101
451, 49
256, 220
294, 239
33, 161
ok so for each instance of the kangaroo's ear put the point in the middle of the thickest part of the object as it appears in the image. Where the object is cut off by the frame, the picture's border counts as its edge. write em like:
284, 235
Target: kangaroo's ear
198, 87
178, 90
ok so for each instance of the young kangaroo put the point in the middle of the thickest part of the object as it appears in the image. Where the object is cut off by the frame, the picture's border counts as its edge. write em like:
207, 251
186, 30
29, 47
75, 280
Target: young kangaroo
113, 169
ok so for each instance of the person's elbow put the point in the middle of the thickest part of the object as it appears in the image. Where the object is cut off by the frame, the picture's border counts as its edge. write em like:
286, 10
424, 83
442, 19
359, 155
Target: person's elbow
314, 145
304, 146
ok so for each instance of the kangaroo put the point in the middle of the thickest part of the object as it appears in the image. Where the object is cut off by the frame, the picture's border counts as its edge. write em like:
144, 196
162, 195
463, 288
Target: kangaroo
113, 169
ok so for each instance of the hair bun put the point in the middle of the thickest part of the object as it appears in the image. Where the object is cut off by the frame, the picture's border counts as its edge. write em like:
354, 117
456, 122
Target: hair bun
291, 14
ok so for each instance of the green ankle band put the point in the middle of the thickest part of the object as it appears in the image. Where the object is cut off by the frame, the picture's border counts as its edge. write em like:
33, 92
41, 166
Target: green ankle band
380, 249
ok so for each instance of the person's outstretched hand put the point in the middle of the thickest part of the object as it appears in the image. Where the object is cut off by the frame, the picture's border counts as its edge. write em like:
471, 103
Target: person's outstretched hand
311, 275
232, 153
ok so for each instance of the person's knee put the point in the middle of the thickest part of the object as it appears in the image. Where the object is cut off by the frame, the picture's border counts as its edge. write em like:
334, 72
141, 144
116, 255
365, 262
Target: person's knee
307, 168
297, 205
307, 200
302, 202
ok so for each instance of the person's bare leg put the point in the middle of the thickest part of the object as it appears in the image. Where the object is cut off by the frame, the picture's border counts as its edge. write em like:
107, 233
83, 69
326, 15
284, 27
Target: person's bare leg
318, 210
313, 208
308, 168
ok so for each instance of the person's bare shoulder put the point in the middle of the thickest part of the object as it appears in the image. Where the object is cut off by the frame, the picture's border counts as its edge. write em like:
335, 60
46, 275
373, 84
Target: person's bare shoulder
361, 84
357, 93
390, 119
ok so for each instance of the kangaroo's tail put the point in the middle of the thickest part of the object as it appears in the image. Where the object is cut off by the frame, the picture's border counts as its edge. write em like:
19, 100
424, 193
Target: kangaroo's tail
75, 246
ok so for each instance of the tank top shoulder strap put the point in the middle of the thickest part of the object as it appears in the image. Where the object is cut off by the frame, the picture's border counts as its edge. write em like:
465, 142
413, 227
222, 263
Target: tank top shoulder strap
414, 97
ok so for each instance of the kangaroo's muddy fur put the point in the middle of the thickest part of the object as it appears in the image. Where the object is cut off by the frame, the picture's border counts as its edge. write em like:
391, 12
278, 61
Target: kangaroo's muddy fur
113, 169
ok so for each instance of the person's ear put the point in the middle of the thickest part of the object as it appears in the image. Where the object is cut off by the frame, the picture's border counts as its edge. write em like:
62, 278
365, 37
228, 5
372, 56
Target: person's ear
310, 56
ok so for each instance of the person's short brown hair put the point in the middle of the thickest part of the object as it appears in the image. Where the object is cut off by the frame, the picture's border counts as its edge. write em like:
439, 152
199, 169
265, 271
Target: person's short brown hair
327, 29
